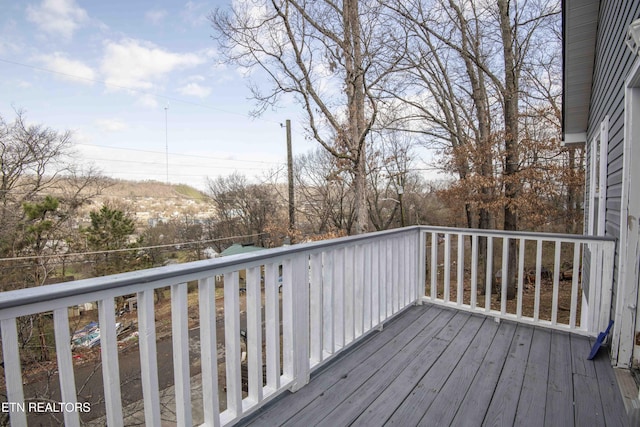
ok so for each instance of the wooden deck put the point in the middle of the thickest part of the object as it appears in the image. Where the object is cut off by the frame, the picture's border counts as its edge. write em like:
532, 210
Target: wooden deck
439, 367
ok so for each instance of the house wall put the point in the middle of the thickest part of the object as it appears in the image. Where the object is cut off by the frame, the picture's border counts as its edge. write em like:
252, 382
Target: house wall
613, 61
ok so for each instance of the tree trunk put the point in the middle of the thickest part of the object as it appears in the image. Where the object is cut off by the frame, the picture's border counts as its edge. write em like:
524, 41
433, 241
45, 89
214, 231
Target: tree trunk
511, 157
355, 100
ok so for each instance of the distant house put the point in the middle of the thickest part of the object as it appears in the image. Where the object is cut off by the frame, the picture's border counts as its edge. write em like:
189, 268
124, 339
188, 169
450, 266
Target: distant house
602, 111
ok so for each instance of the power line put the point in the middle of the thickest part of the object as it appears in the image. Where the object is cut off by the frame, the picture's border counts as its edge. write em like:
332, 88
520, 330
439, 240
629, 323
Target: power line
184, 165
140, 248
178, 154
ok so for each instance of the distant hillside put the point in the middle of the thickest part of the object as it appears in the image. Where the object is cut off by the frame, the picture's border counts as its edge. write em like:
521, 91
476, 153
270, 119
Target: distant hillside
151, 201
141, 189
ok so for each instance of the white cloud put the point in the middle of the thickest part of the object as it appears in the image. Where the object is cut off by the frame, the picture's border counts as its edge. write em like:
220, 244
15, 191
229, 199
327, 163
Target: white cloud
57, 17
195, 89
111, 125
136, 64
69, 69
148, 101
155, 16
7, 47
10, 38
195, 13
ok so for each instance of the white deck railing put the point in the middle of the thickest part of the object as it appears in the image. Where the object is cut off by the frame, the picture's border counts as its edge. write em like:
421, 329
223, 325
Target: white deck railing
332, 293
550, 271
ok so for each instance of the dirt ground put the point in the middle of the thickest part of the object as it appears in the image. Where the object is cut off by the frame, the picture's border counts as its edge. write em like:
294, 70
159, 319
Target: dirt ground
528, 299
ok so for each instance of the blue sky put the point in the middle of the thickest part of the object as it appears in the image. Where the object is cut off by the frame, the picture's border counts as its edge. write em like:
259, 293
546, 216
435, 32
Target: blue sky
128, 76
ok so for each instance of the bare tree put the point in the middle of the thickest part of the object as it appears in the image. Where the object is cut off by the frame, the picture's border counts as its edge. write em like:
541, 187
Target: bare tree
36, 173
325, 202
30, 157
40, 191
332, 57
392, 179
465, 65
242, 208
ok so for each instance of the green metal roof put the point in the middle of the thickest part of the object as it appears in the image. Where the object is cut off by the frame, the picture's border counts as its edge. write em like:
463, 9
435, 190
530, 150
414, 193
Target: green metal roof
238, 248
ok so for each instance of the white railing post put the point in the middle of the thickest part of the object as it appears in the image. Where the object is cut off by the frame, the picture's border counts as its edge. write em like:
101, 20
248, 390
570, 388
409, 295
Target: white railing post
421, 263
272, 325
12, 369
474, 271
556, 283
316, 308
348, 292
489, 275
447, 267
504, 275
376, 285
358, 291
254, 334
65, 364
180, 342
389, 284
368, 288
208, 351
148, 357
595, 272
339, 296
536, 304
520, 277
434, 267
460, 270
296, 309
574, 285
407, 272
232, 342
328, 303
606, 280
110, 365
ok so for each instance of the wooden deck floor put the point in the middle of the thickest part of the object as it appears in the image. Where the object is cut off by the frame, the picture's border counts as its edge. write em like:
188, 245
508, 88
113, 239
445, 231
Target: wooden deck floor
439, 367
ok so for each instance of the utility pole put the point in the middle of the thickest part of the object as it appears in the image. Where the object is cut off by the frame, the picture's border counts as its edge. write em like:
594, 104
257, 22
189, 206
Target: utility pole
290, 177
166, 138
400, 193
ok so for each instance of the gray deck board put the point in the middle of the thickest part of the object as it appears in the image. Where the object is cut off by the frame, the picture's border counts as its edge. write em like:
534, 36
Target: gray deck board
438, 366
612, 405
476, 401
531, 408
357, 401
405, 383
588, 406
430, 385
504, 402
559, 396
369, 379
445, 405
397, 334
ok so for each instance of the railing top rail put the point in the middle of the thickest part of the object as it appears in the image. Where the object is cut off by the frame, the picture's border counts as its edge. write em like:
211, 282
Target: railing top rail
526, 234
19, 297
